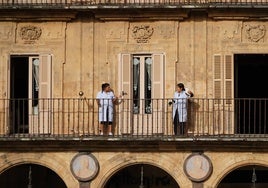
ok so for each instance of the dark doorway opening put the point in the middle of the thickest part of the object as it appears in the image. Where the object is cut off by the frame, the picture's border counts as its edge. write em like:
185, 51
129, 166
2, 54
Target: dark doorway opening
251, 73
246, 177
141, 175
30, 175
19, 86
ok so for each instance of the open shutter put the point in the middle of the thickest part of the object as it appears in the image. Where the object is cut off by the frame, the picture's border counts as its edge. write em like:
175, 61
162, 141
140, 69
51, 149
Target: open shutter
125, 108
223, 79
228, 123
217, 77
125, 75
45, 77
228, 78
45, 94
223, 84
158, 105
158, 76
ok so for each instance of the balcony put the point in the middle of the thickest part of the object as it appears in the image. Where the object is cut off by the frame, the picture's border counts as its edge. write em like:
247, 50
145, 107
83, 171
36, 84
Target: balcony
97, 4
77, 118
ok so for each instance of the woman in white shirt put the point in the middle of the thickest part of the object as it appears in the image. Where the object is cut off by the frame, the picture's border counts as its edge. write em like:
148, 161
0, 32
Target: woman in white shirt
105, 101
180, 102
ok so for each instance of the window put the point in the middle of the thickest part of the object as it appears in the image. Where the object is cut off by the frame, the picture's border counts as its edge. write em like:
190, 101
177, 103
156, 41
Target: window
142, 84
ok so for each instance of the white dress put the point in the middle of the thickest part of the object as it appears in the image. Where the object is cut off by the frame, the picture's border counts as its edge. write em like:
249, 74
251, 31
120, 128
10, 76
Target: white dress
180, 105
106, 106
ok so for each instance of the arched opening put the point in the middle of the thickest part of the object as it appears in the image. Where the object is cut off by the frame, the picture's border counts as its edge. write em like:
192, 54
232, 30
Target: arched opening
141, 176
251, 176
30, 176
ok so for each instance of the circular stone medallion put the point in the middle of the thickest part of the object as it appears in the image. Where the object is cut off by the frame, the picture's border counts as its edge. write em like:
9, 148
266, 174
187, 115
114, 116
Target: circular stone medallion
84, 166
197, 167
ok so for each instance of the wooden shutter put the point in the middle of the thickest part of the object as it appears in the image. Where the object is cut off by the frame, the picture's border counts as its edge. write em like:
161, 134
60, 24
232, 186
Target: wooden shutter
223, 79
228, 78
45, 94
125, 108
45, 77
158, 105
158, 73
217, 77
125, 75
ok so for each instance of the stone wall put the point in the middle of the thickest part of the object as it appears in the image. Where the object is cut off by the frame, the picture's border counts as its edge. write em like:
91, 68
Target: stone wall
111, 162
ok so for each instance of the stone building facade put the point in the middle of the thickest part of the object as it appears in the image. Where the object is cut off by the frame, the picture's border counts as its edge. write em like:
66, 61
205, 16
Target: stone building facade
80, 46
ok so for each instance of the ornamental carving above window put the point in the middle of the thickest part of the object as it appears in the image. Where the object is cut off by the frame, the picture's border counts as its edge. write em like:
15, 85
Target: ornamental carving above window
30, 33
255, 33
142, 33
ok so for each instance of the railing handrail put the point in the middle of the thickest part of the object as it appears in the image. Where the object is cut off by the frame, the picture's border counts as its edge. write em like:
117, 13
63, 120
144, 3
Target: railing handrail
76, 117
67, 4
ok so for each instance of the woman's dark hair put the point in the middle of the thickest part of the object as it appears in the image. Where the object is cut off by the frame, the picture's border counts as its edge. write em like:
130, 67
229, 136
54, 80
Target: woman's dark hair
103, 86
181, 85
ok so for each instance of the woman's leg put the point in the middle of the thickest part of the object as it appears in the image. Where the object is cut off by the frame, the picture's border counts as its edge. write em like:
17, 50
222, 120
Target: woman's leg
101, 128
175, 128
110, 120
110, 130
182, 128
176, 123
101, 120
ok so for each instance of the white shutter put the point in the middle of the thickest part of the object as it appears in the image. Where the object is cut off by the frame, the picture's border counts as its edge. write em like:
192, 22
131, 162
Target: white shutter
126, 74
158, 73
228, 76
223, 90
45, 77
223, 77
45, 94
125, 108
158, 105
217, 77
228, 117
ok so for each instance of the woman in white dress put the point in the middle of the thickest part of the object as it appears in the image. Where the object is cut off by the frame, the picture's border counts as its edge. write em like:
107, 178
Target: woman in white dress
180, 102
105, 101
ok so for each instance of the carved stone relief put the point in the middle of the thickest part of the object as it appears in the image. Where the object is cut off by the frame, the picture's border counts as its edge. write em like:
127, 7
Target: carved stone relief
30, 33
6, 31
142, 33
232, 32
254, 33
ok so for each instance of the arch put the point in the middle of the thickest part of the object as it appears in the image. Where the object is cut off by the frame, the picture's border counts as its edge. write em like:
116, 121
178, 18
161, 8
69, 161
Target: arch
246, 176
141, 174
164, 161
30, 175
52, 161
235, 165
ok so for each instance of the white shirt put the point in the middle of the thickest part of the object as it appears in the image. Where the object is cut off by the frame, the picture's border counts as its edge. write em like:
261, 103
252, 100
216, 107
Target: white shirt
106, 98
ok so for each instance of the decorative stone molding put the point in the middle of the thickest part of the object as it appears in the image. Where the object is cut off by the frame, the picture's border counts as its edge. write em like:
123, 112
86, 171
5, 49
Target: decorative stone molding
6, 32
142, 33
30, 33
232, 32
255, 33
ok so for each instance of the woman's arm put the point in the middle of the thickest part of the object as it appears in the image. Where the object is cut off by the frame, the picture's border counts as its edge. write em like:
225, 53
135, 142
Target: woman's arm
98, 102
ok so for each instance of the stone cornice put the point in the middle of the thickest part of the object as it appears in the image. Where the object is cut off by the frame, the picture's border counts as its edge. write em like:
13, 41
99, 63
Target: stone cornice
107, 144
238, 14
34, 15
132, 14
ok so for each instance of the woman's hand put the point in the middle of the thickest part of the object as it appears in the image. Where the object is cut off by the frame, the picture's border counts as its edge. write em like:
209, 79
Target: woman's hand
118, 100
190, 93
98, 102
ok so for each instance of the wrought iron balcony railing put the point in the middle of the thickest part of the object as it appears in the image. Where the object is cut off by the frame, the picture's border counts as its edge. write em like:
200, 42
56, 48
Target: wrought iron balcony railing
126, 3
79, 117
